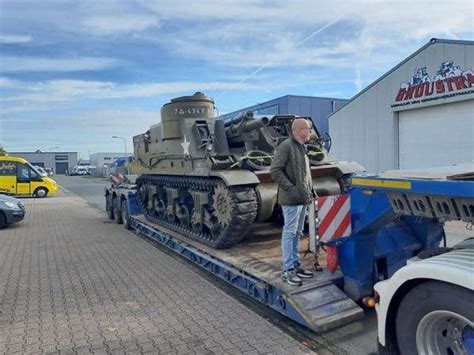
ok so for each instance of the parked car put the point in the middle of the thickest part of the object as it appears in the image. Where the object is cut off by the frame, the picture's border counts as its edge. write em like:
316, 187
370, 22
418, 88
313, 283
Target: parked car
49, 171
40, 170
80, 170
12, 210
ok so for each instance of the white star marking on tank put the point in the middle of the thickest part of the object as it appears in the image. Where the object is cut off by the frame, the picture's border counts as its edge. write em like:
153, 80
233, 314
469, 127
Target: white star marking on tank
185, 146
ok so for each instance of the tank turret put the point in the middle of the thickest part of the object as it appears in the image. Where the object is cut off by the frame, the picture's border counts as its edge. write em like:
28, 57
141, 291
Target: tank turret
209, 178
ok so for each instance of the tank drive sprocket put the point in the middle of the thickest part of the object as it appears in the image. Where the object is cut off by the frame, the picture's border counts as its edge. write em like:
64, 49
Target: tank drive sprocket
203, 209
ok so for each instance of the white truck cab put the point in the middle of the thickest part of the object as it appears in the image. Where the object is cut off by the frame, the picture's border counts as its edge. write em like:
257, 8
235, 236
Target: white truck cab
427, 307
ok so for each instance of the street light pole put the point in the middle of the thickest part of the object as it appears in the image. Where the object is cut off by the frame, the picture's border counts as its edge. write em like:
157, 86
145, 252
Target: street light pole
126, 154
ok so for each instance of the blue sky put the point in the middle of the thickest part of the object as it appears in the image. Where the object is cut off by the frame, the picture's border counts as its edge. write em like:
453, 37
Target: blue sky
75, 73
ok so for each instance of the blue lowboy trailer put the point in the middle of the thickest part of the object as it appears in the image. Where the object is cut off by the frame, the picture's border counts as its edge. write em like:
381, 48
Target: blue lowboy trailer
397, 220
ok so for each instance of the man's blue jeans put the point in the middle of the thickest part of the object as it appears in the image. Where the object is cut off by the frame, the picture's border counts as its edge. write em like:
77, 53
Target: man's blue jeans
290, 239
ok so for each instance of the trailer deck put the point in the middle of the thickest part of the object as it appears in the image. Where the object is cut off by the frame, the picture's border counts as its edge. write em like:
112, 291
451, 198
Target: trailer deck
254, 267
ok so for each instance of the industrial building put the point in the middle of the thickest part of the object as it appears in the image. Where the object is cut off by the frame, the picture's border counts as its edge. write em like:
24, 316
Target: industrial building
61, 162
418, 115
318, 108
101, 160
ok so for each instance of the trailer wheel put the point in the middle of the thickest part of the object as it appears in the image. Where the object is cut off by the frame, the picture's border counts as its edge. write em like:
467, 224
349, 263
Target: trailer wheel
436, 318
125, 215
109, 207
118, 214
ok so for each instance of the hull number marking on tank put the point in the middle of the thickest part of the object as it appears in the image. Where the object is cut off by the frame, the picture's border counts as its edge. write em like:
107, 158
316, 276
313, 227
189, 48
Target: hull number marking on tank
191, 111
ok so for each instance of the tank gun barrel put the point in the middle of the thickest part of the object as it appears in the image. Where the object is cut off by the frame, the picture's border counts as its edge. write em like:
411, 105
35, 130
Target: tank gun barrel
246, 115
247, 125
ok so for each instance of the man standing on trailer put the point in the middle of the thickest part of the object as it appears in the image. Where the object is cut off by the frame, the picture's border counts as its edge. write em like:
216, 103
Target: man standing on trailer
291, 171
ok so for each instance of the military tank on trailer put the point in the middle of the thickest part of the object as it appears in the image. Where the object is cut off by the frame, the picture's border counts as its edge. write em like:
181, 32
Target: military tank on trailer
209, 178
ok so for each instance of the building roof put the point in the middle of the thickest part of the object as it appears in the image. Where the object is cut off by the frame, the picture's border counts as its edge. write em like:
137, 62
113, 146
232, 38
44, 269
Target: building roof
431, 42
41, 152
279, 98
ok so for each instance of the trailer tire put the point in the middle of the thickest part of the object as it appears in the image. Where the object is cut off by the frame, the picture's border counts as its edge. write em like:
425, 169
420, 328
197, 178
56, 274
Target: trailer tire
431, 318
117, 212
109, 207
125, 215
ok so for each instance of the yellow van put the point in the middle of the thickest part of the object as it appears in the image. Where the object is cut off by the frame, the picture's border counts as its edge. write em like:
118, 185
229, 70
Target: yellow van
18, 177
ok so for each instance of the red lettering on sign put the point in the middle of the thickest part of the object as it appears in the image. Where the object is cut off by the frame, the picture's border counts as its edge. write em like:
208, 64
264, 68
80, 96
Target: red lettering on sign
470, 79
459, 82
429, 88
419, 90
400, 95
409, 93
439, 86
449, 81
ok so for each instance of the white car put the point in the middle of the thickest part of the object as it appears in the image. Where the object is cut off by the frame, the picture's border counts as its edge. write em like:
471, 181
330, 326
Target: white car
40, 170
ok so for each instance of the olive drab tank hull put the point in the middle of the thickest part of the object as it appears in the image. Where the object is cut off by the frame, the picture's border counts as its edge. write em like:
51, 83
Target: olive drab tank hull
209, 179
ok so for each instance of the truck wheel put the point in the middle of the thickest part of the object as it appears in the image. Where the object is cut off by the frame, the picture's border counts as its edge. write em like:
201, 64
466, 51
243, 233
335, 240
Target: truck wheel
41, 192
435, 318
109, 207
117, 212
3, 221
125, 216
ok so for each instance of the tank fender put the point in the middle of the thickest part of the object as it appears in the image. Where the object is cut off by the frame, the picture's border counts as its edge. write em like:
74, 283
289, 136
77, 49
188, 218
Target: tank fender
236, 177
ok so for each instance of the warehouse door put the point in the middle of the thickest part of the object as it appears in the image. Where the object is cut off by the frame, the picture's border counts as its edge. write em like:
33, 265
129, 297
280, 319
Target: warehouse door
439, 135
61, 168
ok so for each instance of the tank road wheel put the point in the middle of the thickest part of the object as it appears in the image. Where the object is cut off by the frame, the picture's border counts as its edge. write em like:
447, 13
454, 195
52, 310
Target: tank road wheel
160, 208
117, 212
109, 207
436, 318
222, 204
125, 215
233, 210
183, 212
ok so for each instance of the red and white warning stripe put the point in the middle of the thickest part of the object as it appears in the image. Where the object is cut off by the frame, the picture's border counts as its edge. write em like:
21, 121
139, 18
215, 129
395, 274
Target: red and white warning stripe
334, 214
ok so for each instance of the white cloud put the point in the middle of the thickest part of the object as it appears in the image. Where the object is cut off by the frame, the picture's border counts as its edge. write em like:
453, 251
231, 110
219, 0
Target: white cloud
291, 34
89, 130
32, 96
16, 64
112, 24
359, 84
10, 39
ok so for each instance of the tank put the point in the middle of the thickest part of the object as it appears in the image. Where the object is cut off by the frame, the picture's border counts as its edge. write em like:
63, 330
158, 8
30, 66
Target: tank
208, 178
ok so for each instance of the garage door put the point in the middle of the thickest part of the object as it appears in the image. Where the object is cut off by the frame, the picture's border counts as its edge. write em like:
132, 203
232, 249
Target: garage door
61, 168
436, 136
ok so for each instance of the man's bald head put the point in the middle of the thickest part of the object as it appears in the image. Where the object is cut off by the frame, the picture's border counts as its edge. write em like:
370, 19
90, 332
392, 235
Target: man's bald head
300, 123
301, 129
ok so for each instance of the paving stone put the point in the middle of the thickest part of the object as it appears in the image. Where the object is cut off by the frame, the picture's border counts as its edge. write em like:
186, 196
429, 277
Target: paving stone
74, 283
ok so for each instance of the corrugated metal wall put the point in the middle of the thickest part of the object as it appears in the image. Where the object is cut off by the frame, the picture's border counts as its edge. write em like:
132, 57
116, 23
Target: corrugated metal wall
366, 129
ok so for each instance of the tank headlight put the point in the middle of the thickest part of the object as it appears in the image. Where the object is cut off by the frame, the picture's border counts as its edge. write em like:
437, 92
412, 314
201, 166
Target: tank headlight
210, 147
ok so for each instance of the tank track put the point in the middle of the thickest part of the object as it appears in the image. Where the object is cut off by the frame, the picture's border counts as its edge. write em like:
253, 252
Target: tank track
238, 208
